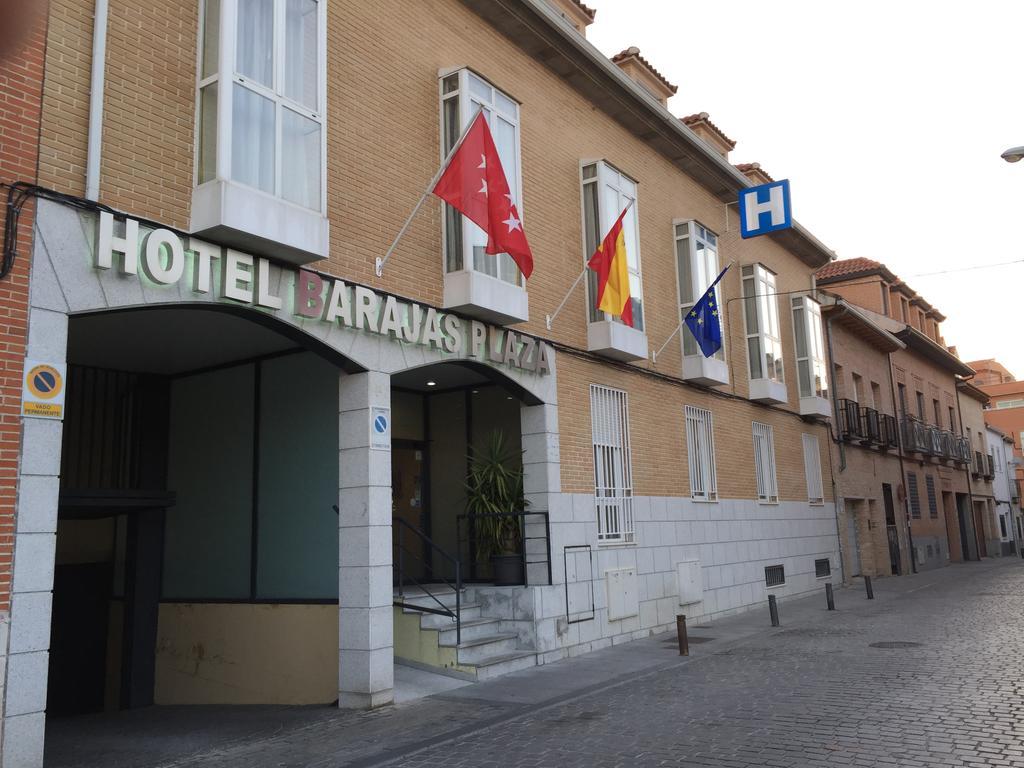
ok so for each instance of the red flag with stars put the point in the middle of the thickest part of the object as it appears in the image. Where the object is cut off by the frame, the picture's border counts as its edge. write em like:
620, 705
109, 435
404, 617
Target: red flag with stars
474, 184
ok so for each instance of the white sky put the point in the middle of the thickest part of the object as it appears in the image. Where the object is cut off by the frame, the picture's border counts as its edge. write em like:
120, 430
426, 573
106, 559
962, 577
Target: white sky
887, 117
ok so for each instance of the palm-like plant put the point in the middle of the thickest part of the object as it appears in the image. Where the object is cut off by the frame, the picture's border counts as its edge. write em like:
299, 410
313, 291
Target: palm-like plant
494, 488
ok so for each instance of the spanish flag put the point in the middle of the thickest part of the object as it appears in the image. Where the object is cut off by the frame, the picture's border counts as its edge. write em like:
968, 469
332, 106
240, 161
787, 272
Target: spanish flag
609, 262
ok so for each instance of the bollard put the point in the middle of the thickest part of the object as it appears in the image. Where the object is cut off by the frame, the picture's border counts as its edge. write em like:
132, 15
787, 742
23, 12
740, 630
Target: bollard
684, 641
868, 589
773, 610
829, 597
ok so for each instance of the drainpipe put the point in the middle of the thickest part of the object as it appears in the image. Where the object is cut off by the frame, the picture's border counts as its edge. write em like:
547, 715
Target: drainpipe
903, 470
833, 439
99, 59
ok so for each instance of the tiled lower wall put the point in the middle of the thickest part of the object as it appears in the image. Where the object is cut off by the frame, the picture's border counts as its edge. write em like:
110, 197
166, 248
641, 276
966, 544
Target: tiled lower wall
733, 540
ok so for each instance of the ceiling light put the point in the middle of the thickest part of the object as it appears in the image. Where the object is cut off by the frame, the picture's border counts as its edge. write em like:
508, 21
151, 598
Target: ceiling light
431, 383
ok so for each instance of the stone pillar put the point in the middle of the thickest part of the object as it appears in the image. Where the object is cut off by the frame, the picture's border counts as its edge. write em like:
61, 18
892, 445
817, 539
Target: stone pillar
542, 482
365, 638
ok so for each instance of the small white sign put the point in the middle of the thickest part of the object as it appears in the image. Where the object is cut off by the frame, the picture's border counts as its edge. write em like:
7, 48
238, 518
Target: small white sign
380, 428
42, 389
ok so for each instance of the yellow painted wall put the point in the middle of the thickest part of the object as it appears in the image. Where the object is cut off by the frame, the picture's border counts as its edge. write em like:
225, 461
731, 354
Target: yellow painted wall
415, 644
246, 654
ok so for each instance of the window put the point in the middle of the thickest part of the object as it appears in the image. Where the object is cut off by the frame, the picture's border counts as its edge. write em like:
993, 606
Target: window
696, 267
463, 94
885, 299
761, 311
915, 502
952, 419
938, 412
812, 375
905, 309
260, 97
812, 470
876, 397
700, 447
1002, 526
764, 463
920, 406
606, 193
858, 388
774, 575
902, 390
933, 507
1009, 404
822, 568
613, 483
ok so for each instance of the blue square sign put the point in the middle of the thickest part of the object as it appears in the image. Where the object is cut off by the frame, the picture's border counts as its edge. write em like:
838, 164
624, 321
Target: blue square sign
765, 208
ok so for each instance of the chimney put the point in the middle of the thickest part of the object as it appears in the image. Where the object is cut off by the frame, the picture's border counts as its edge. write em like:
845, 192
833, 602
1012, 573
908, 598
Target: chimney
754, 172
711, 134
574, 12
639, 70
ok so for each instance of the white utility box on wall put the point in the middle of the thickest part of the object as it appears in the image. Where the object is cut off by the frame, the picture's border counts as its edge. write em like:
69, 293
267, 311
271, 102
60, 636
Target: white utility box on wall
623, 597
691, 586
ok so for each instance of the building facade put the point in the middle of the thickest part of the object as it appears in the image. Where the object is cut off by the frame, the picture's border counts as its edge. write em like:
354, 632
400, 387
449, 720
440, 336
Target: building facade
265, 440
972, 401
1006, 491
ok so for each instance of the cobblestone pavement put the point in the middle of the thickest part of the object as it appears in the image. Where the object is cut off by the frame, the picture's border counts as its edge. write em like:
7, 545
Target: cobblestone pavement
818, 691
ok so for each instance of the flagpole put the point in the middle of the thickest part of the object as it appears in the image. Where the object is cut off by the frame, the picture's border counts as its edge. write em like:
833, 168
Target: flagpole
549, 319
380, 262
654, 355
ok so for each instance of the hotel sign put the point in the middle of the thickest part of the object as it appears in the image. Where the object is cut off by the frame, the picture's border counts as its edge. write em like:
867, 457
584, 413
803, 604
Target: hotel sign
165, 258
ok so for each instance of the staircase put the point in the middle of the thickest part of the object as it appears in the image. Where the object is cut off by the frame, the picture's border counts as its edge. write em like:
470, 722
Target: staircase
489, 647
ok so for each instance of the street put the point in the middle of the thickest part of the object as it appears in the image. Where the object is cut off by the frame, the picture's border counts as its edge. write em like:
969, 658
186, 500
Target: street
927, 674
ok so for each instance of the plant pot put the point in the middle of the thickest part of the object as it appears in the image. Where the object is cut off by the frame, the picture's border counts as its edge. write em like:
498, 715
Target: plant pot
507, 570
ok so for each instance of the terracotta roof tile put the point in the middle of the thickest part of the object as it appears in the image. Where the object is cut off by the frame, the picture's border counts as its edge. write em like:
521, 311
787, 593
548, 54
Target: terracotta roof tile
703, 117
591, 12
748, 167
848, 267
634, 52
845, 269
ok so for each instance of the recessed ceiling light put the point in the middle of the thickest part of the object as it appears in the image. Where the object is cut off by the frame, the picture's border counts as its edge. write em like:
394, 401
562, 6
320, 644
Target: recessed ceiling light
476, 391
431, 383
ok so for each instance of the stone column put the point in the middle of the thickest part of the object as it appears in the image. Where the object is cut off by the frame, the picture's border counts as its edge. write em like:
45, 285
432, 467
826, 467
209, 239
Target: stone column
365, 638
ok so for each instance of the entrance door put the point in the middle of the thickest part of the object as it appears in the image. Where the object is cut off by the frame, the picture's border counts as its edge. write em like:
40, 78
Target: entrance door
891, 529
851, 528
964, 524
979, 527
408, 499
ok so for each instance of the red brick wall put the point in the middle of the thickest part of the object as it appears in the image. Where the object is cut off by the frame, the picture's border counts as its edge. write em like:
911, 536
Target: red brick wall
21, 83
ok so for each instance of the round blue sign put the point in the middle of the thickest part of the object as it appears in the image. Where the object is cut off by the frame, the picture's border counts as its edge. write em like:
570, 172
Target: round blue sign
380, 424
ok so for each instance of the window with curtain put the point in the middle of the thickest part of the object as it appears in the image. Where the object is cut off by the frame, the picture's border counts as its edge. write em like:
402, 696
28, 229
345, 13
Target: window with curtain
267, 62
463, 95
606, 193
613, 483
696, 266
761, 312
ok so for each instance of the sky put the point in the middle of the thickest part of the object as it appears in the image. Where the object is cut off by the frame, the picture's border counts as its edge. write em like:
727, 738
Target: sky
888, 118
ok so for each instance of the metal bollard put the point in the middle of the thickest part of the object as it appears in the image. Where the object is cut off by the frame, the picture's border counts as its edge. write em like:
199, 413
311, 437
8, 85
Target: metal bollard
830, 598
868, 589
773, 610
684, 641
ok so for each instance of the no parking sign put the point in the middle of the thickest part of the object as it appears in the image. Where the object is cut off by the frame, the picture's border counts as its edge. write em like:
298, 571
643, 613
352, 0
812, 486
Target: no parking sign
42, 390
380, 428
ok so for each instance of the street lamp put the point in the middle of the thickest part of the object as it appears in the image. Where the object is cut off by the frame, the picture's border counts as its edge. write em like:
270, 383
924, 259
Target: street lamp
1013, 154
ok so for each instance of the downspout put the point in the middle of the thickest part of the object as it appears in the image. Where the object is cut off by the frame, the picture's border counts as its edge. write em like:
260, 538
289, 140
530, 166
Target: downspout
967, 475
96, 88
834, 439
903, 469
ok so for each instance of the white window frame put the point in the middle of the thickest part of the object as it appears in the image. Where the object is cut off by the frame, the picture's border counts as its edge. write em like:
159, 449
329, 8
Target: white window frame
613, 466
700, 453
627, 189
807, 322
764, 305
704, 267
501, 104
227, 79
764, 463
812, 470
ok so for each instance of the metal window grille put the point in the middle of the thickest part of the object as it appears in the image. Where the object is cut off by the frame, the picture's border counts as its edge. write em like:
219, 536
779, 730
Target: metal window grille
915, 502
933, 507
700, 448
822, 567
812, 470
764, 463
774, 575
613, 473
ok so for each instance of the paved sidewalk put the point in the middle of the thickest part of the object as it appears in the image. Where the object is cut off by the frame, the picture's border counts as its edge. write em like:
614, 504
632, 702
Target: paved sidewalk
812, 692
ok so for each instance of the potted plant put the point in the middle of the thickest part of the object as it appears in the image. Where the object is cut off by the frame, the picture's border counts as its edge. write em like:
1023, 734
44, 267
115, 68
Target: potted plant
494, 497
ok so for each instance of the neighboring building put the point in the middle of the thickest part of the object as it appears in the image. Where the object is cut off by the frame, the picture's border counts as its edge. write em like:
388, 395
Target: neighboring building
1006, 490
1006, 413
236, 369
933, 444
867, 466
971, 401
990, 372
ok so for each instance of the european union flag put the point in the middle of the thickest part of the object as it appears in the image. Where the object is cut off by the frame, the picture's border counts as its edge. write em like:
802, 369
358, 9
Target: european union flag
705, 322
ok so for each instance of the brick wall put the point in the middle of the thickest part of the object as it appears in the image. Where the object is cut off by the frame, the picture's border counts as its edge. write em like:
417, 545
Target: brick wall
21, 79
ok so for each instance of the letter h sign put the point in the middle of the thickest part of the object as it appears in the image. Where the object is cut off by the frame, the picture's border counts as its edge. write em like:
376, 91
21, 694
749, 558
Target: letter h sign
765, 208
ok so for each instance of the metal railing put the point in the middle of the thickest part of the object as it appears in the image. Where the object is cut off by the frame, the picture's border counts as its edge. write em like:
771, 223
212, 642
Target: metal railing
962, 450
915, 435
978, 468
871, 425
890, 432
990, 466
850, 425
403, 531
534, 534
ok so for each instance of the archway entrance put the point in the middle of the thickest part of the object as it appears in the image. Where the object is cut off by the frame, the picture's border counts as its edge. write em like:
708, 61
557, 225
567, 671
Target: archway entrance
197, 543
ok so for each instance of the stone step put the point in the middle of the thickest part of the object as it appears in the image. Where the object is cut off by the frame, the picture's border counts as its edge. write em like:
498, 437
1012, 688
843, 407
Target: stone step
471, 630
503, 663
471, 651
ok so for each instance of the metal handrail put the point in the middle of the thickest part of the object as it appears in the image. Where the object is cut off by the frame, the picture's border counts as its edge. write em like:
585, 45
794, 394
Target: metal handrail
443, 610
522, 515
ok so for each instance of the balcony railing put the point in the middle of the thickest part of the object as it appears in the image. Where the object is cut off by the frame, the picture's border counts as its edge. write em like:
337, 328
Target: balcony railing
978, 467
990, 466
850, 425
871, 424
962, 450
890, 432
916, 436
